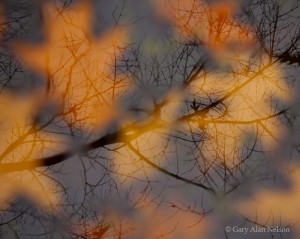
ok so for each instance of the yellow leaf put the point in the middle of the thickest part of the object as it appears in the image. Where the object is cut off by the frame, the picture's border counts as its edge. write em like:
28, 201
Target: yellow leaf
79, 67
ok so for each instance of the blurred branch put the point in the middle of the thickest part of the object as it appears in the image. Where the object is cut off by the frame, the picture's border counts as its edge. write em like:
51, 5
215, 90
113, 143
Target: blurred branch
289, 58
160, 169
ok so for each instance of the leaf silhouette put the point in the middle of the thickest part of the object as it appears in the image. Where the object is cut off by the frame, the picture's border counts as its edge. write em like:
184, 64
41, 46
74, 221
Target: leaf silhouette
79, 67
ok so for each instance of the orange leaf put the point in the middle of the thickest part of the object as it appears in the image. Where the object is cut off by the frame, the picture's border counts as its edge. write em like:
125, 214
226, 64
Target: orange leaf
79, 67
99, 232
246, 111
21, 141
213, 25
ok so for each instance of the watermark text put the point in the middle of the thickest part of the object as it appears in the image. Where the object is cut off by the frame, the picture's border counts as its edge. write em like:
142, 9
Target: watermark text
257, 229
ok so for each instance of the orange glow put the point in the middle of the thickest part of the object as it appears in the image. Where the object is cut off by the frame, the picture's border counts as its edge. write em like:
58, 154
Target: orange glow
22, 142
170, 111
150, 139
34, 186
90, 231
79, 67
213, 26
128, 166
247, 110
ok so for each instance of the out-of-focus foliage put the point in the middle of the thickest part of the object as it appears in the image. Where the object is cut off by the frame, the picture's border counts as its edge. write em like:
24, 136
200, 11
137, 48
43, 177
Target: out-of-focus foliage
212, 25
275, 207
79, 66
127, 164
150, 138
23, 142
152, 220
249, 93
175, 153
245, 89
